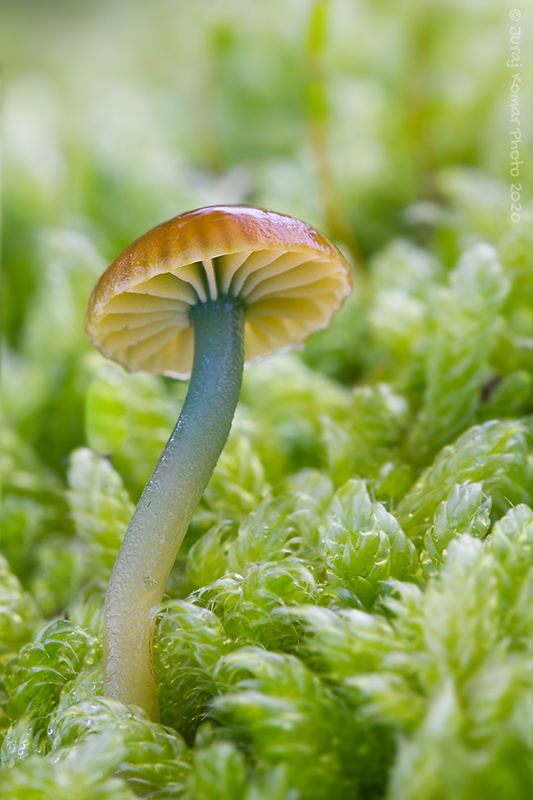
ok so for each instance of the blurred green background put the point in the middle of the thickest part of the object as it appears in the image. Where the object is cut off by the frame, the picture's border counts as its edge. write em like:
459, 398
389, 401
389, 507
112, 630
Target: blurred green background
370, 120
120, 114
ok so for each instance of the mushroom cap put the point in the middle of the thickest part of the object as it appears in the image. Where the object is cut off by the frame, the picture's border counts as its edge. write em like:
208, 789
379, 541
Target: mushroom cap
290, 278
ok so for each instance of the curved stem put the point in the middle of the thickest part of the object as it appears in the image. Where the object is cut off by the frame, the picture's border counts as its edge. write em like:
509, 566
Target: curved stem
169, 500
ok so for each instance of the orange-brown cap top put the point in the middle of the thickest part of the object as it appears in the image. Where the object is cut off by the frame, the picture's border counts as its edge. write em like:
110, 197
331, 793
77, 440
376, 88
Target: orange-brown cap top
290, 278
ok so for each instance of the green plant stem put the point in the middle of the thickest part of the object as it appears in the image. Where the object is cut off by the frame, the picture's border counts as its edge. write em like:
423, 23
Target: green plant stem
318, 116
168, 503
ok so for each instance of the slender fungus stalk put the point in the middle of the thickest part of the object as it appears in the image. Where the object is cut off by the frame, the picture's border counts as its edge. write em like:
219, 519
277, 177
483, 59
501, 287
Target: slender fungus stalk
169, 500
200, 296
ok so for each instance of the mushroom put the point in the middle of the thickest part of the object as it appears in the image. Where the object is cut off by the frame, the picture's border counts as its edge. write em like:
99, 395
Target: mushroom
199, 296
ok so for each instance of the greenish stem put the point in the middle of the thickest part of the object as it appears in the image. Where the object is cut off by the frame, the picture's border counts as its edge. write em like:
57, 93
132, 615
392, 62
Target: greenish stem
169, 500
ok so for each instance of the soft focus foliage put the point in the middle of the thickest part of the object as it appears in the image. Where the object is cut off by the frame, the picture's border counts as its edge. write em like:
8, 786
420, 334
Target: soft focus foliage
350, 614
448, 668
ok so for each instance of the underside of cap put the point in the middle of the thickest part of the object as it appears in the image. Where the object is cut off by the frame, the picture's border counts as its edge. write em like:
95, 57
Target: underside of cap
290, 278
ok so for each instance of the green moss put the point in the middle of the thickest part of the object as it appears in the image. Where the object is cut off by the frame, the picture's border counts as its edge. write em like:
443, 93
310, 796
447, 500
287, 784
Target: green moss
350, 615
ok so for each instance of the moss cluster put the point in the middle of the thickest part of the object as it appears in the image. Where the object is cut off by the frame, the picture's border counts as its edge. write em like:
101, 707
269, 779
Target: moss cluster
350, 615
